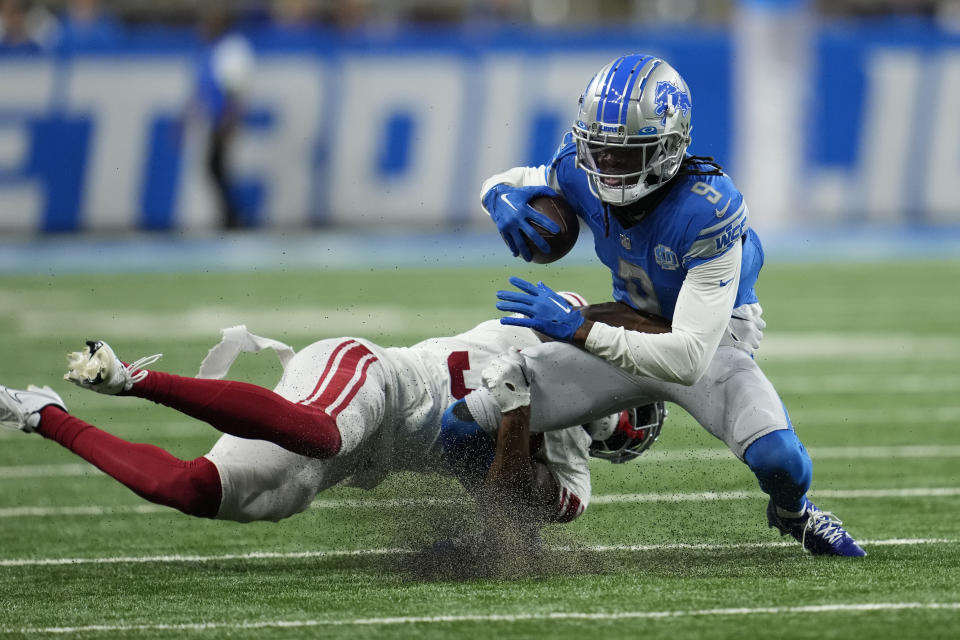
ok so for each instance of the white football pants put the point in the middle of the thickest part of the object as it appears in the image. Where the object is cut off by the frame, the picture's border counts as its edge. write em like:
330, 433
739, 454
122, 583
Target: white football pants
733, 400
263, 481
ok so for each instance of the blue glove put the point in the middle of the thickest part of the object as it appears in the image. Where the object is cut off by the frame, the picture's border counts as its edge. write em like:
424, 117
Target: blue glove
509, 208
546, 310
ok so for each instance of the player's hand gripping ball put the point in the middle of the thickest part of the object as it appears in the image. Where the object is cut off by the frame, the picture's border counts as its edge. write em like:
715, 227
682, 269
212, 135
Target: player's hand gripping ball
560, 242
536, 223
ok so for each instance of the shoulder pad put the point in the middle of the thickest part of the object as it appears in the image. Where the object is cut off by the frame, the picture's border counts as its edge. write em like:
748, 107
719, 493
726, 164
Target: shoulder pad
567, 147
564, 177
717, 217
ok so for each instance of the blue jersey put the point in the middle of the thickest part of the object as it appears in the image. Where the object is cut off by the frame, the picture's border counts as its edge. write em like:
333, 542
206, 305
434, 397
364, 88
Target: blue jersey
702, 217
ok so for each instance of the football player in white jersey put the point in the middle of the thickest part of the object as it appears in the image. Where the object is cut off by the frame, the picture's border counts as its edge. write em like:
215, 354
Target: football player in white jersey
672, 228
345, 411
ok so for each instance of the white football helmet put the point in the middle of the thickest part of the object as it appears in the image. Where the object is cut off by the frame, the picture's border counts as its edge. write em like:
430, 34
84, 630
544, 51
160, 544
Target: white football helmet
623, 436
573, 298
633, 128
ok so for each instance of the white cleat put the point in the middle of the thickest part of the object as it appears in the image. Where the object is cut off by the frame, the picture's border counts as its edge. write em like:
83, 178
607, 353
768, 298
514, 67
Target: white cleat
99, 369
20, 409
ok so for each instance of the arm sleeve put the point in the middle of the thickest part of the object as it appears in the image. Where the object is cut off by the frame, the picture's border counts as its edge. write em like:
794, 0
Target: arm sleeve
703, 310
516, 177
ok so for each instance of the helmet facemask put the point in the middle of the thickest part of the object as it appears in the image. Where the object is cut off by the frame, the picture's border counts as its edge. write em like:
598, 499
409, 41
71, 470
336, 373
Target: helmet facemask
624, 169
623, 437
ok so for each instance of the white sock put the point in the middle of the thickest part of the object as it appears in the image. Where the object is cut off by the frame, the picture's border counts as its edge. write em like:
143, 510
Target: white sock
783, 513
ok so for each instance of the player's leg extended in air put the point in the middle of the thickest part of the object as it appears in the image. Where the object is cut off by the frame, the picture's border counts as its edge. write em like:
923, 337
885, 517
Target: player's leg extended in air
279, 449
269, 434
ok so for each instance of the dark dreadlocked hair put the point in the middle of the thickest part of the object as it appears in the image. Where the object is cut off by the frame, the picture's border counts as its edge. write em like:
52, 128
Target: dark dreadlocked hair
700, 166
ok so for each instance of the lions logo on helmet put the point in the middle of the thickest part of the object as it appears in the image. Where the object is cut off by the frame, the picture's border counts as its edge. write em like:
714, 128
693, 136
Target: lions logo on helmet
633, 128
669, 98
623, 436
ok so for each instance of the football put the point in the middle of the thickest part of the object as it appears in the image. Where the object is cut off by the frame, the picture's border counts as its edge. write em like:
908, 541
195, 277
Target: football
558, 210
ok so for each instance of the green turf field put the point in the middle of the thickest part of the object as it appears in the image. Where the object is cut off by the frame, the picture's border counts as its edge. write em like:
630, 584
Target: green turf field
673, 546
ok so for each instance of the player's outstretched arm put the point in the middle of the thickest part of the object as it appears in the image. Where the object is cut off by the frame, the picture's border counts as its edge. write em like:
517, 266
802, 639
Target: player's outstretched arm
516, 489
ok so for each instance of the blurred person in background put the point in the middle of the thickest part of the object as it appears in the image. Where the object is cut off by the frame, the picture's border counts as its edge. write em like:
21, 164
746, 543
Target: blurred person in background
294, 22
351, 15
85, 24
222, 81
294, 16
25, 26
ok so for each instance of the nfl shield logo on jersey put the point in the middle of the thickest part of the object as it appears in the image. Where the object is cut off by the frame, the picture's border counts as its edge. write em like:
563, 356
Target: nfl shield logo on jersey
665, 257
625, 242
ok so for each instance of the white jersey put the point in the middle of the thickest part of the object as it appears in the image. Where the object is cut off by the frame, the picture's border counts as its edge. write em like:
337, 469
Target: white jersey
388, 404
436, 372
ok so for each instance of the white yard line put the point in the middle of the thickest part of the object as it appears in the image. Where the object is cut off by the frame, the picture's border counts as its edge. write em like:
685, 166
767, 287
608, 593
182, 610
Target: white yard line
80, 469
909, 383
707, 546
521, 617
86, 510
253, 555
48, 470
817, 453
846, 346
395, 503
709, 496
893, 417
301, 324
393, 551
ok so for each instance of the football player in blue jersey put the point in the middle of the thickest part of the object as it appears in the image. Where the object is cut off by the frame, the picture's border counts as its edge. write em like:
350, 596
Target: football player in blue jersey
673, 230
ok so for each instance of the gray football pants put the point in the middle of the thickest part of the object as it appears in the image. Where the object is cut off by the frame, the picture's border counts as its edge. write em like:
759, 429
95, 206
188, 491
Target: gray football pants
733, 400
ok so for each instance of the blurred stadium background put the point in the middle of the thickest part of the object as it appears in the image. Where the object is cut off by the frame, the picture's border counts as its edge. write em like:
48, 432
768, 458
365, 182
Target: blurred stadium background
352, 137
370, 114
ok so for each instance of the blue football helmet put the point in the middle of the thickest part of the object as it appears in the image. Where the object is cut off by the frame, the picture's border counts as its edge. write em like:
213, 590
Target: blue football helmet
633, 128
623, 436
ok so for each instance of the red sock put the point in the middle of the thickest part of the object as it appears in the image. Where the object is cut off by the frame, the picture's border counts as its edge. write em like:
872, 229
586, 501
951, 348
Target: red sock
246, 411
191, 486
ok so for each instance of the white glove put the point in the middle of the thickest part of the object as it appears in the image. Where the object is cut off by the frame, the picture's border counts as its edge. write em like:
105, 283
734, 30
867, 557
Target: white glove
745, 330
